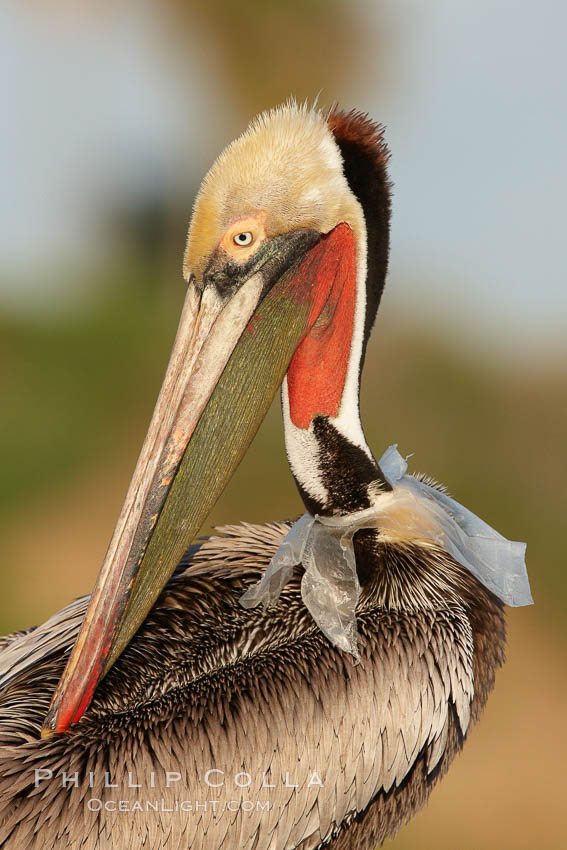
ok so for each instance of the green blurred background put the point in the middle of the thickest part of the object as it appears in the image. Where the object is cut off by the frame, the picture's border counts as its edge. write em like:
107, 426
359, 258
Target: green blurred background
111, 115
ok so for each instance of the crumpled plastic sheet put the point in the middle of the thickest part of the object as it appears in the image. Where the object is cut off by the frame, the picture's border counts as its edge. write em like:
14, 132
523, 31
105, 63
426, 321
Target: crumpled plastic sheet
411, 510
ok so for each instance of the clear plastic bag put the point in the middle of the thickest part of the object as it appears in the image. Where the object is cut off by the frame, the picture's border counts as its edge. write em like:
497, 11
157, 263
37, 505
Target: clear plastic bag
412, 510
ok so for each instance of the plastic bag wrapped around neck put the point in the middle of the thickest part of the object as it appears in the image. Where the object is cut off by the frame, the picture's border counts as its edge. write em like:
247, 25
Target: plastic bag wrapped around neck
412, 510
329, 587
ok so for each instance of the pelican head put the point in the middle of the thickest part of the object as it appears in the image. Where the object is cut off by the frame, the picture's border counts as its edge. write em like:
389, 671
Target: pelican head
284, 174
280, 286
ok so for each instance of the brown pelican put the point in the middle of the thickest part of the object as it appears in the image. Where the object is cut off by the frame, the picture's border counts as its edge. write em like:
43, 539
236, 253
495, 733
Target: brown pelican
183, 719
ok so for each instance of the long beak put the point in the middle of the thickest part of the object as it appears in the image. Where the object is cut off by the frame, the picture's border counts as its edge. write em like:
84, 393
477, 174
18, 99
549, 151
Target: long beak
227, 362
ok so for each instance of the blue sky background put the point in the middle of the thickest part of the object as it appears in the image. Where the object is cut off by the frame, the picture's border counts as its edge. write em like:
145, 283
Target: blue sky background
95, 104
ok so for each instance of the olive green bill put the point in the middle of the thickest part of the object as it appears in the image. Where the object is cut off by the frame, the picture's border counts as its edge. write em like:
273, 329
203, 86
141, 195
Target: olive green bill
229, 358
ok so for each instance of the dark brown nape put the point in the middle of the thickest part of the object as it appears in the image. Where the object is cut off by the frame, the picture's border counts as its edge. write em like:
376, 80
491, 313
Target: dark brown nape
365, 156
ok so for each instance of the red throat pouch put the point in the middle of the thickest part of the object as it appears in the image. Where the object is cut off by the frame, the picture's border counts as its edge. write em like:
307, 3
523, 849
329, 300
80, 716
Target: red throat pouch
317, 373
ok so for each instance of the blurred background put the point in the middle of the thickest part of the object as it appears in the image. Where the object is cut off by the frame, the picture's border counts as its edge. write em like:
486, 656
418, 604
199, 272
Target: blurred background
112, 112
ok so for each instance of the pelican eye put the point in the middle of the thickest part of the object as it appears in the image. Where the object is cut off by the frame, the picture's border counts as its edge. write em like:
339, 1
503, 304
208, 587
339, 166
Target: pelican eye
243, 239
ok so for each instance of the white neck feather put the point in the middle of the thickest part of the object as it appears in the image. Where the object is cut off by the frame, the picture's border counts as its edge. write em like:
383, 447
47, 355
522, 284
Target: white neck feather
302, 446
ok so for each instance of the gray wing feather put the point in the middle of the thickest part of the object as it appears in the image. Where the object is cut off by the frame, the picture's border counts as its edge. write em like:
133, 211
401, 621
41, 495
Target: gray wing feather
360, 728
